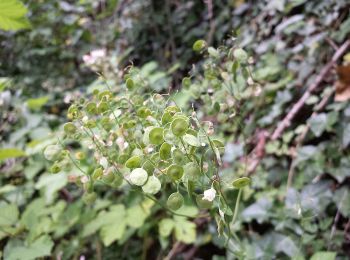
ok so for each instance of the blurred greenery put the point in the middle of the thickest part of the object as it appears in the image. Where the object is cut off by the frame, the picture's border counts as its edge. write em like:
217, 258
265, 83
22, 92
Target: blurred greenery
48, 59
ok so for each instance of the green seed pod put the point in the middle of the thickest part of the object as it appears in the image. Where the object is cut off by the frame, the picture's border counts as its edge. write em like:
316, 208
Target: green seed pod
138, 177
108, 177
143, 112
241, 182
106, 123
52, 152
129, 124
175, 201
90, 124
192, 171
133, 162
118, 180
129, 84
98, 172
165, 151
203, 204
122, 158
91, 108
55, 168
156, 136
191, 140
172, 109
105, 95
166, 118
240, 55
152, 185
178, 156
169, 137
89, 198
102, 107
69, 128
179, 126
186, 82
148, 167
175, 172
199, 45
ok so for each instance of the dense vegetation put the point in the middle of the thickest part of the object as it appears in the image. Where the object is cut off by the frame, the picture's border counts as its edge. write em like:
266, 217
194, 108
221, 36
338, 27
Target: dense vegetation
175, 129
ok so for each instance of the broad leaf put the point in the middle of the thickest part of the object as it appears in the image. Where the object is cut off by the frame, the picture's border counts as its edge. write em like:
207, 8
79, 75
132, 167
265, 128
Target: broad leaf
12, 15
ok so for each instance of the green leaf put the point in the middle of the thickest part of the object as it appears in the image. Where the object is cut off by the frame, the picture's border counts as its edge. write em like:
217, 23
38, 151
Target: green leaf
37, 103
9, 215
12, 15
165, 227
185, 231
51, 183
6, 153
318, 124
191, 140
324, 255
39, 248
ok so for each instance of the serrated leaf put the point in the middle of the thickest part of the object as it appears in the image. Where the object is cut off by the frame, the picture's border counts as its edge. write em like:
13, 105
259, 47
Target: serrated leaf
12, 15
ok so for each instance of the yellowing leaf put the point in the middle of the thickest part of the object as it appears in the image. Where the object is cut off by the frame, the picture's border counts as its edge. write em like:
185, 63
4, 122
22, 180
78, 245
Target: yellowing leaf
12, 15
37, 103
11, 153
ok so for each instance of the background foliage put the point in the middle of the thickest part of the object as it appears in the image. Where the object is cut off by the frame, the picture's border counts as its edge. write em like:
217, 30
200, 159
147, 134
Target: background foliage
42, 70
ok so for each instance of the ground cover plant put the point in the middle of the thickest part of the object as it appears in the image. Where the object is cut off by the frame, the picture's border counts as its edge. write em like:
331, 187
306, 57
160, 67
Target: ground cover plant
183, 130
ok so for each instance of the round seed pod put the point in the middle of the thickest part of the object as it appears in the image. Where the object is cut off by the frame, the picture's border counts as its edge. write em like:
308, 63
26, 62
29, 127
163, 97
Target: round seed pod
175, 201
102, 107
129, 84
186, 82
97, 173
69, 128
148, 167
91, 108
241, 182
178, 156
192, 171
52, 152
133, 162
166, 118
118, 180
89, 198
199, 45
169, 137
175, 172
152, 185
138, 177
122, 158
156, 136
55, 168
203, 204
172, 109
108, 177
143, 112
165, 151
240, 55
179, 126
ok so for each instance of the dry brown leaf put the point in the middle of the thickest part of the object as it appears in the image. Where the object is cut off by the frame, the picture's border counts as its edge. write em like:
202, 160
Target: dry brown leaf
342, 85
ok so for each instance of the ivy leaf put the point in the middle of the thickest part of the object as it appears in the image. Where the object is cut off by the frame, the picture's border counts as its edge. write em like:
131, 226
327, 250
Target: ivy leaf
165, 227
318, 124
39, 248
185, 231
12, 15
324, 255
9, 215
6, 153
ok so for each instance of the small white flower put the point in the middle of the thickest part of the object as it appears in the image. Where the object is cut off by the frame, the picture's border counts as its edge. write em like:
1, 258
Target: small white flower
209, 194
250, 81
103, 162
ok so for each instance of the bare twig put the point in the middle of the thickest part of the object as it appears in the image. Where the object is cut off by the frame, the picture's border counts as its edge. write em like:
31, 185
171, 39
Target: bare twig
297, 106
